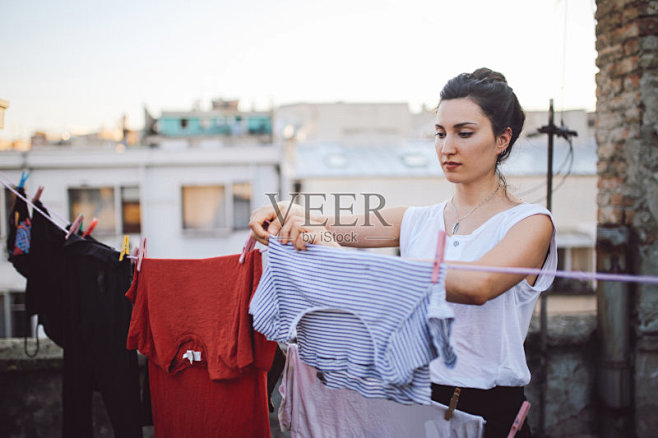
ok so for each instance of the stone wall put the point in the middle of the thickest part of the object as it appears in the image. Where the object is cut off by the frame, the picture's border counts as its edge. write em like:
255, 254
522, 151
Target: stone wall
30, 404
627, 137
31, 394
571, 363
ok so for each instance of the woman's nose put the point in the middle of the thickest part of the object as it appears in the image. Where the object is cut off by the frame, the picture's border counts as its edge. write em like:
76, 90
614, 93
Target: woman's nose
446, 145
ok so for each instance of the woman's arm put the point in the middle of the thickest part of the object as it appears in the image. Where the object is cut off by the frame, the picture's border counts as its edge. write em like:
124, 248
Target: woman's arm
525, 245
377, 230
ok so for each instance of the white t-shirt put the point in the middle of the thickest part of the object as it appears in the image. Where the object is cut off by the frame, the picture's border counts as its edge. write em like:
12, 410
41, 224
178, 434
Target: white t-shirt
310, 409
488, 339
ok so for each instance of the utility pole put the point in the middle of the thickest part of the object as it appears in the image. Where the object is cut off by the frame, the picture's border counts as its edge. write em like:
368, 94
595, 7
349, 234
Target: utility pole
3, 106
551, 130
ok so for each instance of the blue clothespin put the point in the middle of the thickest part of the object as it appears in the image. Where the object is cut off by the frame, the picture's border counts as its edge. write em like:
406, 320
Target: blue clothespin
24, 176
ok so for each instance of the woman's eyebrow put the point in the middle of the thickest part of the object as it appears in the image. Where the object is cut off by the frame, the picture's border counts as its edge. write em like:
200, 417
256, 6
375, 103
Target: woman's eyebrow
458, 125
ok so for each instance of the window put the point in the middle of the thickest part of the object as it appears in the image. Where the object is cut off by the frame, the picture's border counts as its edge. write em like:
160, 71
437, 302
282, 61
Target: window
115, 216
94, 203
3, 317
574, 259
13, 323
183, 123
204, 208
131, 218
582, 259
241, 205
9, 200
258, 125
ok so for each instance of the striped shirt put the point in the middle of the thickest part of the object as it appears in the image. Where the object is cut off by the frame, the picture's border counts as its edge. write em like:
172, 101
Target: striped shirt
368, 322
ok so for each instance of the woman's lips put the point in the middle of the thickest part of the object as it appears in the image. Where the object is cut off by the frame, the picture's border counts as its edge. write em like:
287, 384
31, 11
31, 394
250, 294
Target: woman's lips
451, 165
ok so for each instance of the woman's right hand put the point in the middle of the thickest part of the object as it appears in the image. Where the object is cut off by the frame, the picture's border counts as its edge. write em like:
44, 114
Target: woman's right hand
267, 221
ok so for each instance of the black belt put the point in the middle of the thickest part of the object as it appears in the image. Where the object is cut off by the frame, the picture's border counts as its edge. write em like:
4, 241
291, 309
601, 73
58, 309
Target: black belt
477, 401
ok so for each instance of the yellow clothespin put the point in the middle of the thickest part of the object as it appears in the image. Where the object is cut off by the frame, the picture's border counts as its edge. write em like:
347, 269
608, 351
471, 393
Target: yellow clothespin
125, 248
15, 218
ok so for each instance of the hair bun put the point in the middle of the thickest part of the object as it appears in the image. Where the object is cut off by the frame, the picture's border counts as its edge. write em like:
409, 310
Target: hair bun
488, 75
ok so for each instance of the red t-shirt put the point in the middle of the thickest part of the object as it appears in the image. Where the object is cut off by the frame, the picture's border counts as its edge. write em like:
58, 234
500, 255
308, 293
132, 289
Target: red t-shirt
208, 367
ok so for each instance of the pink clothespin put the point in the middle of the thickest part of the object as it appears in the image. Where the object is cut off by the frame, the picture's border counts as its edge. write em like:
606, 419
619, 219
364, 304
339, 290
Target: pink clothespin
90, 228
37, 195
75, 225
248, 246
141, 253
520, 418
438, 257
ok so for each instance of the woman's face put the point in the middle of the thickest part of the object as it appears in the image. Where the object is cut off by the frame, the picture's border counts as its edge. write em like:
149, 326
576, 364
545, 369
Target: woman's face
465, 142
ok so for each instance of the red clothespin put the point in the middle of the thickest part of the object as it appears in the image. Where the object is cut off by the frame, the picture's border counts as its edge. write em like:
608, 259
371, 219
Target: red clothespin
520, 418
438, 256
75, 225
37, 195
90, 228
453, 403
248, 246
141, 253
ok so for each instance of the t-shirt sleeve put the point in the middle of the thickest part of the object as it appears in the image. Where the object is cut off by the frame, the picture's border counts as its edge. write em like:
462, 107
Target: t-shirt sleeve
408, 221
139, 332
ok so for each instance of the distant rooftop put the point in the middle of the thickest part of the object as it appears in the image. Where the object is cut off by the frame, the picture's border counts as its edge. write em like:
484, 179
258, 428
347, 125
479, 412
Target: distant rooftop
529, 157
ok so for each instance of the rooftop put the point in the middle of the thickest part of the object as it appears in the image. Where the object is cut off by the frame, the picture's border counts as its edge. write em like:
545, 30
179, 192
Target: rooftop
529, 157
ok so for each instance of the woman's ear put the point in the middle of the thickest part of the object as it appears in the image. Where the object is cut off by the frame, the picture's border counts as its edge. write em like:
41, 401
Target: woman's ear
503, 140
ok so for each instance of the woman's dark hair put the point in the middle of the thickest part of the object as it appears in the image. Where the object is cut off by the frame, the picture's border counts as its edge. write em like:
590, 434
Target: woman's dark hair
490, 91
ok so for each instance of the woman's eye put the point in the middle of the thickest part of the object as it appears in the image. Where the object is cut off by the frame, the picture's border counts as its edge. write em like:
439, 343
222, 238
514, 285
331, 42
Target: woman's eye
440, 134
465, 134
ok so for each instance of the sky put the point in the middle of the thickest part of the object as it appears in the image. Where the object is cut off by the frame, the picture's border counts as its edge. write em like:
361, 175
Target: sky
78, 65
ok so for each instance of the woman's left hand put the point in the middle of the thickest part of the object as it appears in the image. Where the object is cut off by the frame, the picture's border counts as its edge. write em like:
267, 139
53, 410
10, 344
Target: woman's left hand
300, 233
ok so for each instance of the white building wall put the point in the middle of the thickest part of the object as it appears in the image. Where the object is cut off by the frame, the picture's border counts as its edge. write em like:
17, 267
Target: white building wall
344, 122
160, 176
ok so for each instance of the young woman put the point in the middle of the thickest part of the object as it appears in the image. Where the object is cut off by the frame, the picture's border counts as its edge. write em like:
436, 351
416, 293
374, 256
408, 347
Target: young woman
478, 120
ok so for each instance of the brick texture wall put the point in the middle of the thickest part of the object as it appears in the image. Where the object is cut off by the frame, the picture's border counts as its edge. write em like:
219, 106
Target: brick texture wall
627, 137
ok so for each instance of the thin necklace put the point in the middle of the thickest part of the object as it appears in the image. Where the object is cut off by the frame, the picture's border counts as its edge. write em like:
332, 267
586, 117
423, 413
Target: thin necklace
459, 219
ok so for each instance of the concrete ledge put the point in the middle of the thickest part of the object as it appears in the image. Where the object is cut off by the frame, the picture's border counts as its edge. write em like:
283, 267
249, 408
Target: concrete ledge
13, 357
563, 330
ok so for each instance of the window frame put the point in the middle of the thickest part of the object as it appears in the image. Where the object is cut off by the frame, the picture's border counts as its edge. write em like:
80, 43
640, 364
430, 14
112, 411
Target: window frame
8, 318
227, 207
117, 202
232, 198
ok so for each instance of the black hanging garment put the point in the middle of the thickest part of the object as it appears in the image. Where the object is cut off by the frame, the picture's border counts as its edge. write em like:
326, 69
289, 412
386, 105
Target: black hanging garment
77, 288
18, 236
44, 292
95, 354
18, 252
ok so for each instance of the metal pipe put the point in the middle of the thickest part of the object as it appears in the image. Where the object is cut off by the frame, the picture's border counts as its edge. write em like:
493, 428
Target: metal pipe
543, 314
614, 383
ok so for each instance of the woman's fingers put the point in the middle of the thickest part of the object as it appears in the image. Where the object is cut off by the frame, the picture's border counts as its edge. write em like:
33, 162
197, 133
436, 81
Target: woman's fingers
286, 230
299, 242
263, 220
267, 221
296, 232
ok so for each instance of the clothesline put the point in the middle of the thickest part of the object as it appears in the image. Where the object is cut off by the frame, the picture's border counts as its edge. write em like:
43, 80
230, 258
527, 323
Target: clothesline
8, 184
578, 275
47, 216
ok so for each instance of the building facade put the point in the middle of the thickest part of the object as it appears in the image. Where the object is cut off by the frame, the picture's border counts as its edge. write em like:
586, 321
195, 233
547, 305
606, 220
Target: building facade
191, 203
